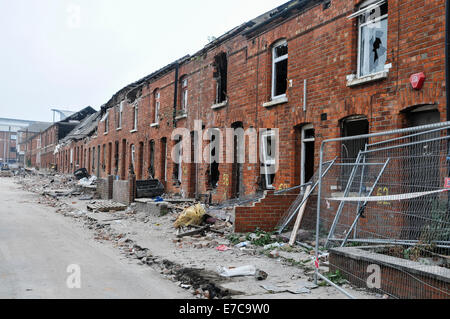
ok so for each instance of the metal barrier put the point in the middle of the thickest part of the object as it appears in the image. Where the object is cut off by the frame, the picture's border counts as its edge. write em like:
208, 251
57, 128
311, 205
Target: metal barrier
386, 207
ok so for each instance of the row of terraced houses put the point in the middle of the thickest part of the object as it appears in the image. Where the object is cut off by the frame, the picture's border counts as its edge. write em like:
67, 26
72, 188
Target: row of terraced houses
313, 69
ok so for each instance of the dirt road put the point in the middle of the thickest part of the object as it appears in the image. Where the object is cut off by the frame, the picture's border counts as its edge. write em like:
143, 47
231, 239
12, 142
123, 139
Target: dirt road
44, 255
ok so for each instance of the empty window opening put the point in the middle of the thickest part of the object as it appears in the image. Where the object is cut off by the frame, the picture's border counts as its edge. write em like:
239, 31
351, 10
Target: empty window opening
151, 160
307, 151
140, 161
116, 158
109, 158
132, 157
123, 159
372, 51
352, 126
178, 153
238, 159
106, 123
214, 173
279, 69
164, 159
220, 75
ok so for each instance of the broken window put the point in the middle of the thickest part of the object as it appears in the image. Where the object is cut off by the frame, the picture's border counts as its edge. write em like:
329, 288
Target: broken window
119, 117
132, 151
116, 158
151, 169
268, 158
220, 75
373, 20
107, 123
279, 69
156, 97
178, 154
184, 96
214, 173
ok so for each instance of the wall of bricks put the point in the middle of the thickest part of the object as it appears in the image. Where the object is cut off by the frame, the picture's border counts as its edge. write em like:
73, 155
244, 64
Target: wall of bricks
322, 50
264, 214
105, 187
394, 282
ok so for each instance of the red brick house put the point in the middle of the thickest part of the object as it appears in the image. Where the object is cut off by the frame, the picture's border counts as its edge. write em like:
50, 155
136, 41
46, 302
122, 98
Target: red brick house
312, 69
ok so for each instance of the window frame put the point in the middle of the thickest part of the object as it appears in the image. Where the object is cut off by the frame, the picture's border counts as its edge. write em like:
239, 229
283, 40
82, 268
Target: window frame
135, 116
265, 136
157, 106
184, 95
276, 60
360, 26
119, 120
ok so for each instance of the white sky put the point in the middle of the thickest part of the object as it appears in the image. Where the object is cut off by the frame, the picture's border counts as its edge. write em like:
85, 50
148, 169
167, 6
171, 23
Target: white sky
50, 58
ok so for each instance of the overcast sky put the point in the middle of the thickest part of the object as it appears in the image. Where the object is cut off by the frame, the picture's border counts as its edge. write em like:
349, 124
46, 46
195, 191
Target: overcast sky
68, 54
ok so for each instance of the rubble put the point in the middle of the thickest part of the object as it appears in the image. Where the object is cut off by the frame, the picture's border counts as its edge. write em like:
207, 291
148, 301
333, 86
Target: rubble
189, 256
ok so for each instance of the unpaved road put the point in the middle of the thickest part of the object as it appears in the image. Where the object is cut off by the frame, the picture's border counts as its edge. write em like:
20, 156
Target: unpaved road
37, 246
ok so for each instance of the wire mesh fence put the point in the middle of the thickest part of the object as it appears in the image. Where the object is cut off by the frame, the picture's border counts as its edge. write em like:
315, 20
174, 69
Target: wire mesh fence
382, 210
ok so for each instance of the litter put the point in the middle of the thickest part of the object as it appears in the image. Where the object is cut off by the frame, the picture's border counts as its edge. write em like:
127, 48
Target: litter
223, 248
274, 245
235, 272
243, 244
190, 216
87, 181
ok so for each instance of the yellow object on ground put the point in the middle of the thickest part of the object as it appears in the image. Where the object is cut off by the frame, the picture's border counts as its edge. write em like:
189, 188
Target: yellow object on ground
190, 216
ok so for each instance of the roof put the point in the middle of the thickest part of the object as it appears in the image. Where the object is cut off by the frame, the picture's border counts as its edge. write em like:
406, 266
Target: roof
36, 127
248, 29
84, 128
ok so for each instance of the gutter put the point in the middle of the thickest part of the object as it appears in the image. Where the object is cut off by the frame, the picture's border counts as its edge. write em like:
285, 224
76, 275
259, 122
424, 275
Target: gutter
283, 12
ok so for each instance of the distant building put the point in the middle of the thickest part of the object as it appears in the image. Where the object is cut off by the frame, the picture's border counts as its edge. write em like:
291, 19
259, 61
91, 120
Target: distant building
40, 147
10, 135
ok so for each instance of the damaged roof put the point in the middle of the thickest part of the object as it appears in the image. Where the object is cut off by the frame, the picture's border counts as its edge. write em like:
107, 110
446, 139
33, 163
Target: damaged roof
84, 128
248, 29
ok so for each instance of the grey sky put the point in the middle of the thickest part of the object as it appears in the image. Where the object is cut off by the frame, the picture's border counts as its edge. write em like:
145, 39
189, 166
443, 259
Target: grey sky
51, 57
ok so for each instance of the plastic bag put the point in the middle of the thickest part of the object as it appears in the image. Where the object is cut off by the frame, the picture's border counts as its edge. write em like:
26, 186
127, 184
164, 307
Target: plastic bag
249, 270
190, 216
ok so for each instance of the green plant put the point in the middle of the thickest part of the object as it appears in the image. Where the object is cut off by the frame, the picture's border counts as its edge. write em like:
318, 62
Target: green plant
336, 277
261, 238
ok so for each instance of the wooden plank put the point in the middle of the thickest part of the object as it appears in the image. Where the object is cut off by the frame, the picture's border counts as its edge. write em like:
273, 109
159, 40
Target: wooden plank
299, 217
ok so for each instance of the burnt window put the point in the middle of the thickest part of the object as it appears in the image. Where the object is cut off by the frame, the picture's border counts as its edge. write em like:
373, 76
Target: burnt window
220, 75
151, 168
279, 69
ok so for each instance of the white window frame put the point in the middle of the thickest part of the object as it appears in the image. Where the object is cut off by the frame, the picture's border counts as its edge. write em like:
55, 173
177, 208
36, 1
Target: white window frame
157, 95
184, 95
276, 60
267, 162
133, 151
120, 115
136, 114
303, 150
365, 7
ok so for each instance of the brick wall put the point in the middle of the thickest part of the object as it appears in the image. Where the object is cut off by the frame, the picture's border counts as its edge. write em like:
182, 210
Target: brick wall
105, 187
322, 50
395, 282
264, 214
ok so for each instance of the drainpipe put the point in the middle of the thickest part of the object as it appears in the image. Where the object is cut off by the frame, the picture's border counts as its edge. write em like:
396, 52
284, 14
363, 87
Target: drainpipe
175, 96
